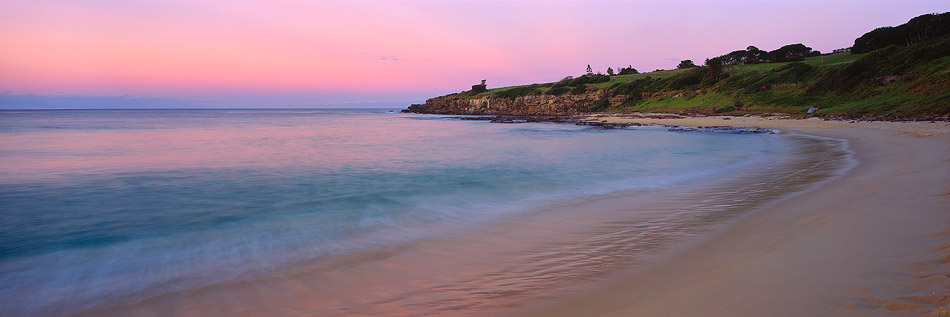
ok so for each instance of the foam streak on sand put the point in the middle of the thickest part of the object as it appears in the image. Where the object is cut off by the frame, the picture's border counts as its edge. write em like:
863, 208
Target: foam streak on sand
875, 241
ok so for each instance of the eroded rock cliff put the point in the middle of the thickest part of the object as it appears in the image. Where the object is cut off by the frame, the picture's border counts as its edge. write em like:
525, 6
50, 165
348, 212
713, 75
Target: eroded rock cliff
543, 104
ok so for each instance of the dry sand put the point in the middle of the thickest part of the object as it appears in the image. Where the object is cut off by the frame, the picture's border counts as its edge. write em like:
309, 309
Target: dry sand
874, 242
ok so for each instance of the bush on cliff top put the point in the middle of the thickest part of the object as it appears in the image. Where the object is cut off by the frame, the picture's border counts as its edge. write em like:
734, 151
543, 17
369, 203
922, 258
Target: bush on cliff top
582, 80
516, 92
559, 91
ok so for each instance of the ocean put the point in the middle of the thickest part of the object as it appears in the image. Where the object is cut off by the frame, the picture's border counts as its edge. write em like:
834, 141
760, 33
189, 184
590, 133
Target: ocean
357, 211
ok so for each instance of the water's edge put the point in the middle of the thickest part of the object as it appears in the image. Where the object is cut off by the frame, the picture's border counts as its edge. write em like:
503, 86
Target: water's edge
536, 257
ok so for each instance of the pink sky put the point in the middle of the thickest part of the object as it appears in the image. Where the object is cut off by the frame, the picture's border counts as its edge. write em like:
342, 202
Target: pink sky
391, 50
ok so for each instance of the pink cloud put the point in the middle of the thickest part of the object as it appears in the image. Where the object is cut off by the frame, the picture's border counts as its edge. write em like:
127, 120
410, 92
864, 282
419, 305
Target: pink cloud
176, 47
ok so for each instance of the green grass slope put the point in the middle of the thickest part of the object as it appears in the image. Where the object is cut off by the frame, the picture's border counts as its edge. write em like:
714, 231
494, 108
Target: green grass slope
893, 82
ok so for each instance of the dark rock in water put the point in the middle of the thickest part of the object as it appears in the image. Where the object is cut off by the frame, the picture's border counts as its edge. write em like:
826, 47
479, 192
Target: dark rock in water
482, 118
502, 119
516, 119
551, 119
723, 129
405, 111
682, 129
606, 125
526, 119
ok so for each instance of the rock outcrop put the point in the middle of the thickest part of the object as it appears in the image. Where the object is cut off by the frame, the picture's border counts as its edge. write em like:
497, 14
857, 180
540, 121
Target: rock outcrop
560, 105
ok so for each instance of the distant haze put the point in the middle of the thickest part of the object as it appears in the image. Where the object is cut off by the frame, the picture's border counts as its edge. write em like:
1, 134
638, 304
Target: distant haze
379, 53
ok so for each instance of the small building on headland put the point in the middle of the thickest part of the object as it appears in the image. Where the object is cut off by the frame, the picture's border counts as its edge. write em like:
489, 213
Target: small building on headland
479, 88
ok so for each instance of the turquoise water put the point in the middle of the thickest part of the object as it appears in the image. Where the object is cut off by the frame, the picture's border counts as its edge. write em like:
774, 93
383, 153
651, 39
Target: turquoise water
105, 206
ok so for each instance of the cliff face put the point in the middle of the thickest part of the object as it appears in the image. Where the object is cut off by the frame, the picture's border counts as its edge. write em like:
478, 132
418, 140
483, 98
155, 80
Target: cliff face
566, 104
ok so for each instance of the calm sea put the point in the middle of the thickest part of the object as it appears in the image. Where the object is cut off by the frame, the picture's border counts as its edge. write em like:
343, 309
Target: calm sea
103, 207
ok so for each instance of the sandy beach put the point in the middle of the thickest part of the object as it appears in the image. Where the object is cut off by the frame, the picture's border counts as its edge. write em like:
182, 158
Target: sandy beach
875, 241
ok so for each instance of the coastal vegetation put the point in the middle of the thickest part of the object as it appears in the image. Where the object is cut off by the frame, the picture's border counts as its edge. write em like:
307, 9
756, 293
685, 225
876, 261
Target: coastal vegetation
890, 73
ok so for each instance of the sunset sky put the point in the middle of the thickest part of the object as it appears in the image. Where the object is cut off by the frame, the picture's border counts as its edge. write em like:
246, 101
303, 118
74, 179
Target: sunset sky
285, 53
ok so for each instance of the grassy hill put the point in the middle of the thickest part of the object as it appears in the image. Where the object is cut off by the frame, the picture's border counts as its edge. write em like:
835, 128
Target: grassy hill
826, 60
907, 81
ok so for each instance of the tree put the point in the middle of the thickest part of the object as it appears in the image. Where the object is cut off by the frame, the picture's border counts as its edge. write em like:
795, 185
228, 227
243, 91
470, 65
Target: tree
715, 67
686, 63
610, 71
733, 58
919, 29
755, 55
589, 70
751, 55
790, 53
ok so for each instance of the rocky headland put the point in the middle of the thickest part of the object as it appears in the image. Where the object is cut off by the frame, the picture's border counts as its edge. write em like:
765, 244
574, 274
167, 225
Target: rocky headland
908, 80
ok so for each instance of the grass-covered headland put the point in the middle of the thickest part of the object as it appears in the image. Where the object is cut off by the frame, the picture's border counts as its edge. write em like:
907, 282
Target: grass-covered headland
890, 73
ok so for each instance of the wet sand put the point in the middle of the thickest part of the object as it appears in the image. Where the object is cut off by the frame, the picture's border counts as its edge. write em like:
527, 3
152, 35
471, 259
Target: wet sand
505, 266
873, 242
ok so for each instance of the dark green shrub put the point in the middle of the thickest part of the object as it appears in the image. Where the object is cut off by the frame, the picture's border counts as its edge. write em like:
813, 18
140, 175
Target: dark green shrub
686, 63
866, 64
563, 82
598, 78
583, 80
765, 83
793, 71
928, 51
725, 109
790, 53
601, 105
559, 91
519, 91
685, 79
633, 88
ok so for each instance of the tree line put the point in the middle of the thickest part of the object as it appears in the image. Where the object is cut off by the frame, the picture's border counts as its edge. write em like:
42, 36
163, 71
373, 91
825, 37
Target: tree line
917, 30
750, 55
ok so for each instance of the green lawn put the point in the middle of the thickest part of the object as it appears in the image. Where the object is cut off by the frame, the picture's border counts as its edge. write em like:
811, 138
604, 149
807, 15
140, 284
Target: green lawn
827, 60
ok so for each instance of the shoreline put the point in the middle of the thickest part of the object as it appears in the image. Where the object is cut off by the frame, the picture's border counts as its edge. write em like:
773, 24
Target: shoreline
874, 241
505, 266
732, 270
